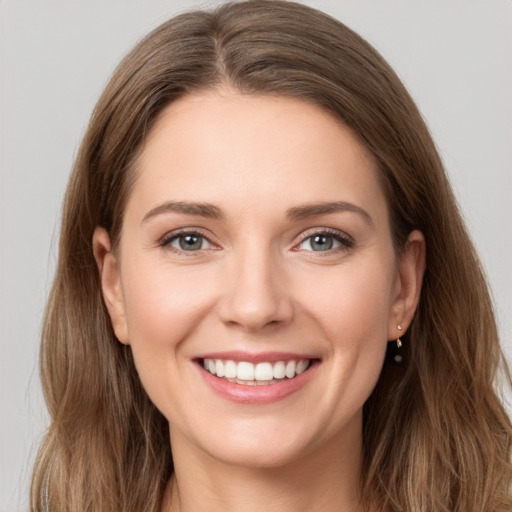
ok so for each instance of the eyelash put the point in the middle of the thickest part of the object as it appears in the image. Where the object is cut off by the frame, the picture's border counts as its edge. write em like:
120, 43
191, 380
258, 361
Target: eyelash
346, 242
167, 240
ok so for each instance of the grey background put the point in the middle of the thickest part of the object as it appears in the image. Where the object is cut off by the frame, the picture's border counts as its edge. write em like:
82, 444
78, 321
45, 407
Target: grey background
55, 57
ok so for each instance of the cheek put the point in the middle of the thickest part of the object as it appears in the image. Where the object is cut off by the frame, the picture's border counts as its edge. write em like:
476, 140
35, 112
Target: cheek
164, 307
162, 302
353, 304
353, 311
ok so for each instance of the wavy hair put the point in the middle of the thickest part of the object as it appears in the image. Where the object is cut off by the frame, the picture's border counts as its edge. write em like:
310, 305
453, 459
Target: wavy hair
436, 436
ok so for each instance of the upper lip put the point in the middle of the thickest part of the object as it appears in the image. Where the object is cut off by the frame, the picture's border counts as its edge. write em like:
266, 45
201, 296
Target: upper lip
254, 358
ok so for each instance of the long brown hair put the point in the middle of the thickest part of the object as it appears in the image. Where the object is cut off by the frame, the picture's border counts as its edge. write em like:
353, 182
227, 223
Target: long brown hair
436, 436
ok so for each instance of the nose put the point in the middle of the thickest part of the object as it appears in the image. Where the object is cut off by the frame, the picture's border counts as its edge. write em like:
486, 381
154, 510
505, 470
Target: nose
256, 292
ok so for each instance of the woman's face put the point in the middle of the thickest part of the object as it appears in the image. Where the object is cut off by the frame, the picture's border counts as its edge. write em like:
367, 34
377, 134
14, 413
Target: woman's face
256, 243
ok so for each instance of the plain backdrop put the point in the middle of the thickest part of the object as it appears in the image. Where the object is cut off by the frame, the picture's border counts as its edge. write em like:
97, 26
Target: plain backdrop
55, 57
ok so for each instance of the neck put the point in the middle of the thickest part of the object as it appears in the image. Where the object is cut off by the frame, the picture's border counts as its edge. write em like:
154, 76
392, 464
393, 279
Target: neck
324, 480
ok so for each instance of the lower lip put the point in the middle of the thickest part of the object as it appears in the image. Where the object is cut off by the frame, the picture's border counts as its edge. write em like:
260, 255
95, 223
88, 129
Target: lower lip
257, 394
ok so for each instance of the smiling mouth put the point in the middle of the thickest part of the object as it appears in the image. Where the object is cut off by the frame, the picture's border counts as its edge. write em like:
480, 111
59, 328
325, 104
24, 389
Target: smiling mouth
260, 374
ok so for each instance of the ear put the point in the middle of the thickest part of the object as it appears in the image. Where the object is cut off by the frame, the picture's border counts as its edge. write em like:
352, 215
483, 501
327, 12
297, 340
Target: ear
110, 280
409, 281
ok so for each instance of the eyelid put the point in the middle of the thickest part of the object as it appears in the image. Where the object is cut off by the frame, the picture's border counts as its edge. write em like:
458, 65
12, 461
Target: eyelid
345, 239
169, 237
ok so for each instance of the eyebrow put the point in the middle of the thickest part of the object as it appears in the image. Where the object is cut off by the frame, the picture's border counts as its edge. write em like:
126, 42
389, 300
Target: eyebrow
211, 211
207, 210
312, 210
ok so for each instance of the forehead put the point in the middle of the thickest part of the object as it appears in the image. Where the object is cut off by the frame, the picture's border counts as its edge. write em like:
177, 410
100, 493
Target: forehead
222, 145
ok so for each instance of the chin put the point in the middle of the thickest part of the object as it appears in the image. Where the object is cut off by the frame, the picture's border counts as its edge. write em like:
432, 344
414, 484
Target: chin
259, 454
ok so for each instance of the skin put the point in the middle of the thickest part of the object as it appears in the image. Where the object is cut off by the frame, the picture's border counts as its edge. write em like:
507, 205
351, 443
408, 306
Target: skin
257, 284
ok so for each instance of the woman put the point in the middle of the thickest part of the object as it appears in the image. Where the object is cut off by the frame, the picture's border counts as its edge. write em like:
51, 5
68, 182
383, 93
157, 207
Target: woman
261, 260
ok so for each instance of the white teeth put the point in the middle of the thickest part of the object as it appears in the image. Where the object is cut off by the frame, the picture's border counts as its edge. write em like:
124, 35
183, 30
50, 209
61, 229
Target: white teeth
264, 371
279, 370
230, 369
244, 372
301, 367
219, 368
290, 369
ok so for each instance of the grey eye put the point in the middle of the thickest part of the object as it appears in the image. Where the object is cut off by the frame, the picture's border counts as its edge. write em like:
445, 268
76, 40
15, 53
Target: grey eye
189, 242
319, 243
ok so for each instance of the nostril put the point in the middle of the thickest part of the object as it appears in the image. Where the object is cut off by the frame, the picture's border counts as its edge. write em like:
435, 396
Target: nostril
253, 311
